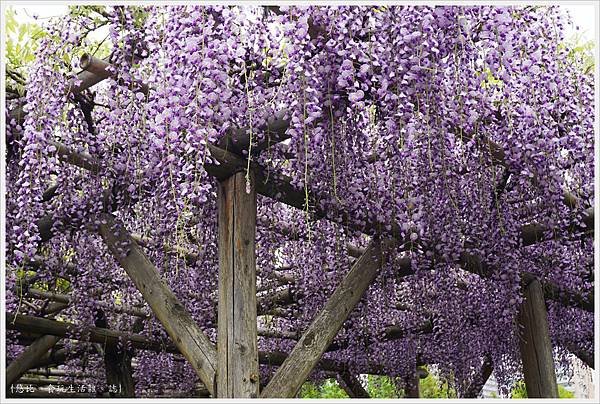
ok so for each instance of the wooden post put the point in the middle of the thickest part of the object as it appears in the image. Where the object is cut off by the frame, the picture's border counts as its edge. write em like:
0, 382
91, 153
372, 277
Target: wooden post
237, 346
185, 333
480, 379
535, 344
102, 336
352, 386
29, 358
117, 364
288, 379
411, 383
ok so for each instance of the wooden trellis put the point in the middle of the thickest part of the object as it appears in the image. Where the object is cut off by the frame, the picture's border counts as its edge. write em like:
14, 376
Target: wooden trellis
230, 369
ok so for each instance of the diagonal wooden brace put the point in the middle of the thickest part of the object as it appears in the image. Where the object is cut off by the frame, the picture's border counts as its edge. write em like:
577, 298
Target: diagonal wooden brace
29, 358
352, 386
288, 379
185, 333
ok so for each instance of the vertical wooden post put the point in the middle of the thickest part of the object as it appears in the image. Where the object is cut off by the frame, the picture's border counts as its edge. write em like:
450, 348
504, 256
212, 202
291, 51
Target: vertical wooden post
117, 364
411, 383
237, 346
535, 344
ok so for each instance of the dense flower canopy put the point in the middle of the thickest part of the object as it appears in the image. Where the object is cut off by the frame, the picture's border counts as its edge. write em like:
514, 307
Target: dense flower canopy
454, 129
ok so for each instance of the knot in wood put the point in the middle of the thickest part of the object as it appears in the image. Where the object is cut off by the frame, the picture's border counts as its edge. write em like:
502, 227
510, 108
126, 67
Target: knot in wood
308, 340
241, 347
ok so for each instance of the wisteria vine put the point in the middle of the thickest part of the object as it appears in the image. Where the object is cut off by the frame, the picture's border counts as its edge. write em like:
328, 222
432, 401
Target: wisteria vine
458, 125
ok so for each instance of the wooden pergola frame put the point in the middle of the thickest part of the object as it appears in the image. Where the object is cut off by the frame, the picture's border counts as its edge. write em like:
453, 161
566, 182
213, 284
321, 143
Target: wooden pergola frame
230, 369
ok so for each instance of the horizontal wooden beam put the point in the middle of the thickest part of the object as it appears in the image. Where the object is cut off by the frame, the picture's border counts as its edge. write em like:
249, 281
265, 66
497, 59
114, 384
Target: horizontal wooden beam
270, 133
58, 372
100, 70
84, 80
40, 325
42, 381
63, 329
66, 299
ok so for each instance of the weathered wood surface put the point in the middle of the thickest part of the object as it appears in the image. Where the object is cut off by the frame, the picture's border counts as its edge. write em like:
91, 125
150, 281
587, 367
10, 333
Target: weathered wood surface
352, 386
288, 379
103, 336
29, 358
272, 132
237, 346
52, 358
535, 344
185, 333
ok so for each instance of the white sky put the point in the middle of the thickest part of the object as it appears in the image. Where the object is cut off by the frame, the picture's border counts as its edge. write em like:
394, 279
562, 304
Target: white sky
584, 16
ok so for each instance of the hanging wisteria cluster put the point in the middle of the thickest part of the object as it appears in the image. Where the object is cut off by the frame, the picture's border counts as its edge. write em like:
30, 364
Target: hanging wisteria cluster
451, 128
